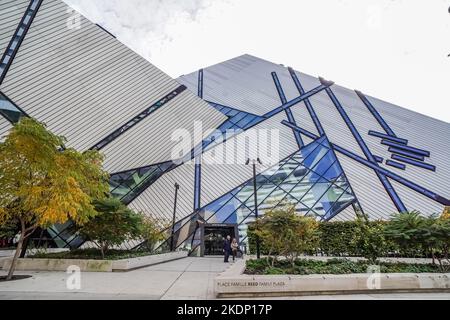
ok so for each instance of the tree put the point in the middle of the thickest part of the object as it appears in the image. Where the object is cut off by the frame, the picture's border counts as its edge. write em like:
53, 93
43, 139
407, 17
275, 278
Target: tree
285, 233
446, 214
406, 230
369, 238
43, 183
432, 235
436, 238
114, 224
153, 232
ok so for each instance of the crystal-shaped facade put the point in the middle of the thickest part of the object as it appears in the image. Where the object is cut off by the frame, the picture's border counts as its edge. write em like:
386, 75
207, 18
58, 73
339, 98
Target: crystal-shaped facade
311, 179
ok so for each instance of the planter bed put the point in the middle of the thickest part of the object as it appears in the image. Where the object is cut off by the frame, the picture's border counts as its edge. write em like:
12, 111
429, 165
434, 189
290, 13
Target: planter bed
236, 283
56, 263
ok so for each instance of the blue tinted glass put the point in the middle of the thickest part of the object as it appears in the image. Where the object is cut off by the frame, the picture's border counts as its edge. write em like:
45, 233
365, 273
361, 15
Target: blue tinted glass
343, 202
334, 172
244, 122
261, 179
299, 191
328, 199
238, 117
231, 219
299, 173
292, 183
315, 157
314, 194
227, 125
325, 163
306, 151
342, 183
221, 214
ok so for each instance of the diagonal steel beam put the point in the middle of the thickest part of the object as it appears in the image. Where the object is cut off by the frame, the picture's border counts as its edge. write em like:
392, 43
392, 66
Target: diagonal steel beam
427, 193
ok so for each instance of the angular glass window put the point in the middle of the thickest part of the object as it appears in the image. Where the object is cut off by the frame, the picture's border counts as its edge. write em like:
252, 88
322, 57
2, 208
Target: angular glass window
127, 185
9, 110
310, 179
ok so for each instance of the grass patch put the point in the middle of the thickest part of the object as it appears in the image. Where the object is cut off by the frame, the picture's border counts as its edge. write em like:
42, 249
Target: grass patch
334, 266
92, 254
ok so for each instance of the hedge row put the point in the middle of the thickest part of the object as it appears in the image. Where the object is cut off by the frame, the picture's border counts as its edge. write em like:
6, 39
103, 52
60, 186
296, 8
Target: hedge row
336, 240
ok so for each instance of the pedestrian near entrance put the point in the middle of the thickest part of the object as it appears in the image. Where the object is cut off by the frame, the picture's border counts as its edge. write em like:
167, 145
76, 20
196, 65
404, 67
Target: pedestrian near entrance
227, 248
234, 248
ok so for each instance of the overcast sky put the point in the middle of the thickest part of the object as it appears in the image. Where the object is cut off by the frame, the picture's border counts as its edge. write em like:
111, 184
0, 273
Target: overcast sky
395, 50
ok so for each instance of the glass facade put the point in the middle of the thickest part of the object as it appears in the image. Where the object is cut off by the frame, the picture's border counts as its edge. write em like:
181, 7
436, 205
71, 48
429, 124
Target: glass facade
311, 179
127, 185
9, 110
238, 121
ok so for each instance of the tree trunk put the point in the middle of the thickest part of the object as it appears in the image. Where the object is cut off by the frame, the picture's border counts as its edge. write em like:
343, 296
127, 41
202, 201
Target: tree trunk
102, 250
16, 256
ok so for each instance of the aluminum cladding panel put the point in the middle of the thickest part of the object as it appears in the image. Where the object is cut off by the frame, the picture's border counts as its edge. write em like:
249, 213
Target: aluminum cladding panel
421, 131
151, 141
11, 11
5, 126
81, 82
426, 133
158, 200
368, 189
244, 83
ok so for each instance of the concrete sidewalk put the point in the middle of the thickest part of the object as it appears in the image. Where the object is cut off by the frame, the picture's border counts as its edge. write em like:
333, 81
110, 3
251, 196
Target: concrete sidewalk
189, 278
185, 279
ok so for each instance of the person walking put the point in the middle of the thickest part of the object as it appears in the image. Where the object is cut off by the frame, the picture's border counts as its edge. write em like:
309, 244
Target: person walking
227, 248
234, 248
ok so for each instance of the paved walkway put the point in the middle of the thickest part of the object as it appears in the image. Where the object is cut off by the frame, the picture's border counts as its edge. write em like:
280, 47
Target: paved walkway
189, 278
185, 279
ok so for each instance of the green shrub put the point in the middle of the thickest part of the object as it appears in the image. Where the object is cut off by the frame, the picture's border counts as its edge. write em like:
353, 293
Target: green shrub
336, 239
153, 232
285, 233
114, 224
335, 266
417, 235
369, 238
91, 254
274, 271
407, 235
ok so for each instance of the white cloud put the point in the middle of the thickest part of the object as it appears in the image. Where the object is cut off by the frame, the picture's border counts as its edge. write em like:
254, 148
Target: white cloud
395, 50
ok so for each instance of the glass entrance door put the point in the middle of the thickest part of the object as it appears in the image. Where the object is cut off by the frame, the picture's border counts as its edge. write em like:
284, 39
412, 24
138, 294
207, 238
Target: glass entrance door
214, 238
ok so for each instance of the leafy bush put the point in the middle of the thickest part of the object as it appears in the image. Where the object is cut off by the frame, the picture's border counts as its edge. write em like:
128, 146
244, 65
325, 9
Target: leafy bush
414, 233
287, 234
114, 224
340, 239
153, 232
92, 254
336, 238
369, 238
334, 266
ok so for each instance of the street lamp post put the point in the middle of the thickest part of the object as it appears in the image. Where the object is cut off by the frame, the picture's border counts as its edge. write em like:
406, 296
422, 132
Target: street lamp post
254, 162
177, 187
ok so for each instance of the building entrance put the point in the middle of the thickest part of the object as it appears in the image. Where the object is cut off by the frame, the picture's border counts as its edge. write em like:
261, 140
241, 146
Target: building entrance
214, 236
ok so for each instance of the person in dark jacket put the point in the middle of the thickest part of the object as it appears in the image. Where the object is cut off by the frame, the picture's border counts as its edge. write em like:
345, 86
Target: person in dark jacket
227, 248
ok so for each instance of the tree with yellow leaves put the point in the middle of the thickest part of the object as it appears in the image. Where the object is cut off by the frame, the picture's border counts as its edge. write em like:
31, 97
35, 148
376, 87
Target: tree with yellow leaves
43, 183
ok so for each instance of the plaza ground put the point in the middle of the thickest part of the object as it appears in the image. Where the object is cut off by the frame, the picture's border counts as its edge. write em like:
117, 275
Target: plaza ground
185, 279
